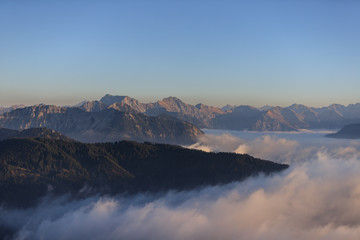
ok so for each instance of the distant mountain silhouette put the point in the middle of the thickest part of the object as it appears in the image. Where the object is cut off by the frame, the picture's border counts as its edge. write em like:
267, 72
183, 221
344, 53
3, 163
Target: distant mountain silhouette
31, 168
351, 131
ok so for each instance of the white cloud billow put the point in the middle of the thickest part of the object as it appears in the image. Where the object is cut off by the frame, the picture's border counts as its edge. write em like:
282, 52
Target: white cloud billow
317, 198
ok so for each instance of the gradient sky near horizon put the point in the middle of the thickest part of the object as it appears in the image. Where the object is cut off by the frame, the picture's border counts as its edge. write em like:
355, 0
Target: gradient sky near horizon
215, 52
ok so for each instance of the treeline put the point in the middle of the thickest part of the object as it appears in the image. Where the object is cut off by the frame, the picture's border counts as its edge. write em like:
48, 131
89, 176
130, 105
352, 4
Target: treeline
34, 167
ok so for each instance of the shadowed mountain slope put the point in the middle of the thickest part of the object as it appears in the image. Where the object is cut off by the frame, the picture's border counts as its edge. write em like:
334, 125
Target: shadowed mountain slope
34, 167
351, 131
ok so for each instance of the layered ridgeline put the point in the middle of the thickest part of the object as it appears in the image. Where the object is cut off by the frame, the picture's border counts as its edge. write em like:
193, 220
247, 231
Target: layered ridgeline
200, 115
107, 125
350, 131
34, 167
31, 133
229, 117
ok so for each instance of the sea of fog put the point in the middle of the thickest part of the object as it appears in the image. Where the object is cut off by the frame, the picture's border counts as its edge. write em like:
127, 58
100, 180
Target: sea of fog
318, 197
284, 147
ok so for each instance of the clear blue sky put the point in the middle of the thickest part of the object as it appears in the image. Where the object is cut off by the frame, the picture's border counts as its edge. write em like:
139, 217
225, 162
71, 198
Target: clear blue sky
216, 52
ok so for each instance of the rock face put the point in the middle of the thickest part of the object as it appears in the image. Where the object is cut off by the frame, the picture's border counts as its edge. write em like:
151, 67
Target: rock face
29, 166
351, 131
9, 109
230, 117
200, 115
124, 101
93, 106
102, 126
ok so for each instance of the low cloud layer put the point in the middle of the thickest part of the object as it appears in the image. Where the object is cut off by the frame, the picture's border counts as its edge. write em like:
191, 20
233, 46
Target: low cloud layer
266, 147
317, 198
291, 148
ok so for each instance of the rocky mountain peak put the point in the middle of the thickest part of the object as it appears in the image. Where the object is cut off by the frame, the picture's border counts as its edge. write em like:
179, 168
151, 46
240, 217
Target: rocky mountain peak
9, 109
209, 109
92, 106
202, 107
172, 100
110, 99
297, 106
173, 104
123, 103
265, 108
228, 108
245, 108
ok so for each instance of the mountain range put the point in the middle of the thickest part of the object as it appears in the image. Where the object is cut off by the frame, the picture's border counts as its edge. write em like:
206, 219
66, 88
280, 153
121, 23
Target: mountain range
241, 117
170, 120
108, 125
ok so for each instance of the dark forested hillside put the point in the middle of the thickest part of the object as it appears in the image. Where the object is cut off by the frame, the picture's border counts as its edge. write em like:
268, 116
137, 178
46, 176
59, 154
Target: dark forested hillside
34, 167
31, 132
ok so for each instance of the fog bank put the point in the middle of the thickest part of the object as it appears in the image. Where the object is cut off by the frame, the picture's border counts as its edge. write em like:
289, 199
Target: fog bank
316, 198
283, 147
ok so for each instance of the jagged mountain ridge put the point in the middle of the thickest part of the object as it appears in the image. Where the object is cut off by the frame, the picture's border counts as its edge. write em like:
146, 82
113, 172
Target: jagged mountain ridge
230, 117
101, 126
200, 115
9, 109
243, 117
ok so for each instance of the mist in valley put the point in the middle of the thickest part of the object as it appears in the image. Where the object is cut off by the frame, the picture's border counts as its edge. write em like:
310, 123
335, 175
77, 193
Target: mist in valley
316, 198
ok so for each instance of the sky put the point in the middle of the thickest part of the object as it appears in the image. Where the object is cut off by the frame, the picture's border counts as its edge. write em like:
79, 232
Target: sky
215, 52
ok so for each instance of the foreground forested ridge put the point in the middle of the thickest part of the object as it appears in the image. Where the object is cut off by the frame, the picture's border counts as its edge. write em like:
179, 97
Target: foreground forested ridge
6, 133
34, 167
